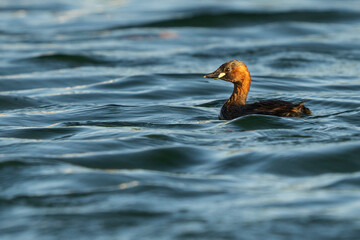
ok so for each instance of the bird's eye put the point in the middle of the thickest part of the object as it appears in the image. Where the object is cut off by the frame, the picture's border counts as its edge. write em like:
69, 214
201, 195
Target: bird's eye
227, 69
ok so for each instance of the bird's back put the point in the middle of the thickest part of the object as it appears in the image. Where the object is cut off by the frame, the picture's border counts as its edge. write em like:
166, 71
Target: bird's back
268, 107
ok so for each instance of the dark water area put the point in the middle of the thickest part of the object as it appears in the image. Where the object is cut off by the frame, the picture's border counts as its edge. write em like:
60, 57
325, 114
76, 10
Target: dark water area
108, 129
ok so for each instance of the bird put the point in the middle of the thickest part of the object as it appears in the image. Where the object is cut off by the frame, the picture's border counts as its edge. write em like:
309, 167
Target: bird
236, 72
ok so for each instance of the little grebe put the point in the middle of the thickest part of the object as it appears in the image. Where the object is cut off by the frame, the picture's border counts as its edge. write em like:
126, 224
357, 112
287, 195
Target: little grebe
237, 73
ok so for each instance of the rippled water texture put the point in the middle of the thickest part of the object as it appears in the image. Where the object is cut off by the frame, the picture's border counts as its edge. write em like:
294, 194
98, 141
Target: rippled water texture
108, 129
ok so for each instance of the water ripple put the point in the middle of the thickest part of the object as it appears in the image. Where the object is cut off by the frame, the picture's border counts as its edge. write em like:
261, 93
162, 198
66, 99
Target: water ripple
106, 119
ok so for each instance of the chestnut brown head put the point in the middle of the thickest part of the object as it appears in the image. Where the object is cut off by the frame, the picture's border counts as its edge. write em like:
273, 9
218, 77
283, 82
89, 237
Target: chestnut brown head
233, 71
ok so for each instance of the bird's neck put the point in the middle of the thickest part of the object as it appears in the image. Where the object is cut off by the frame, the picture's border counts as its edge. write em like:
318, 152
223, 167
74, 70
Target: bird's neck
240, 92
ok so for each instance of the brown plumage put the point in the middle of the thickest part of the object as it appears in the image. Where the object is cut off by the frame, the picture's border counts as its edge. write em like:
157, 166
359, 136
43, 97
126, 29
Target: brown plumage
237, 73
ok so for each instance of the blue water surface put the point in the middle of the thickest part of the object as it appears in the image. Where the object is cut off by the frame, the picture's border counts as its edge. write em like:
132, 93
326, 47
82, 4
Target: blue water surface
108, 129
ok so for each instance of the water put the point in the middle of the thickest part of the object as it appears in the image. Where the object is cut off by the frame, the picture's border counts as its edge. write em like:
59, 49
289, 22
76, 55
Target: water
108, 129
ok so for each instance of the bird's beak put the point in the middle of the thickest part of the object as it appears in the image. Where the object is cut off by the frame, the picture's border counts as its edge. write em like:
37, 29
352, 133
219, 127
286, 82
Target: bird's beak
217, 74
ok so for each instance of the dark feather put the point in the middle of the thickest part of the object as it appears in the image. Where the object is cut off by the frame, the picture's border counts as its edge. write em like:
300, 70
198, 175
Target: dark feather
268, 107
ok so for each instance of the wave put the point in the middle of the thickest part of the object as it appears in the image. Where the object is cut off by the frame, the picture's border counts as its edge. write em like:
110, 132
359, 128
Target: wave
340, 158
40, 133
236, 19
173, 159
76, 59
278, 52
17, 102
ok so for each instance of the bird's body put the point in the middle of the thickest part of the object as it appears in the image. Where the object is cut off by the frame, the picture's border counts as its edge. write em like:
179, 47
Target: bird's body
237, 73
267, 107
